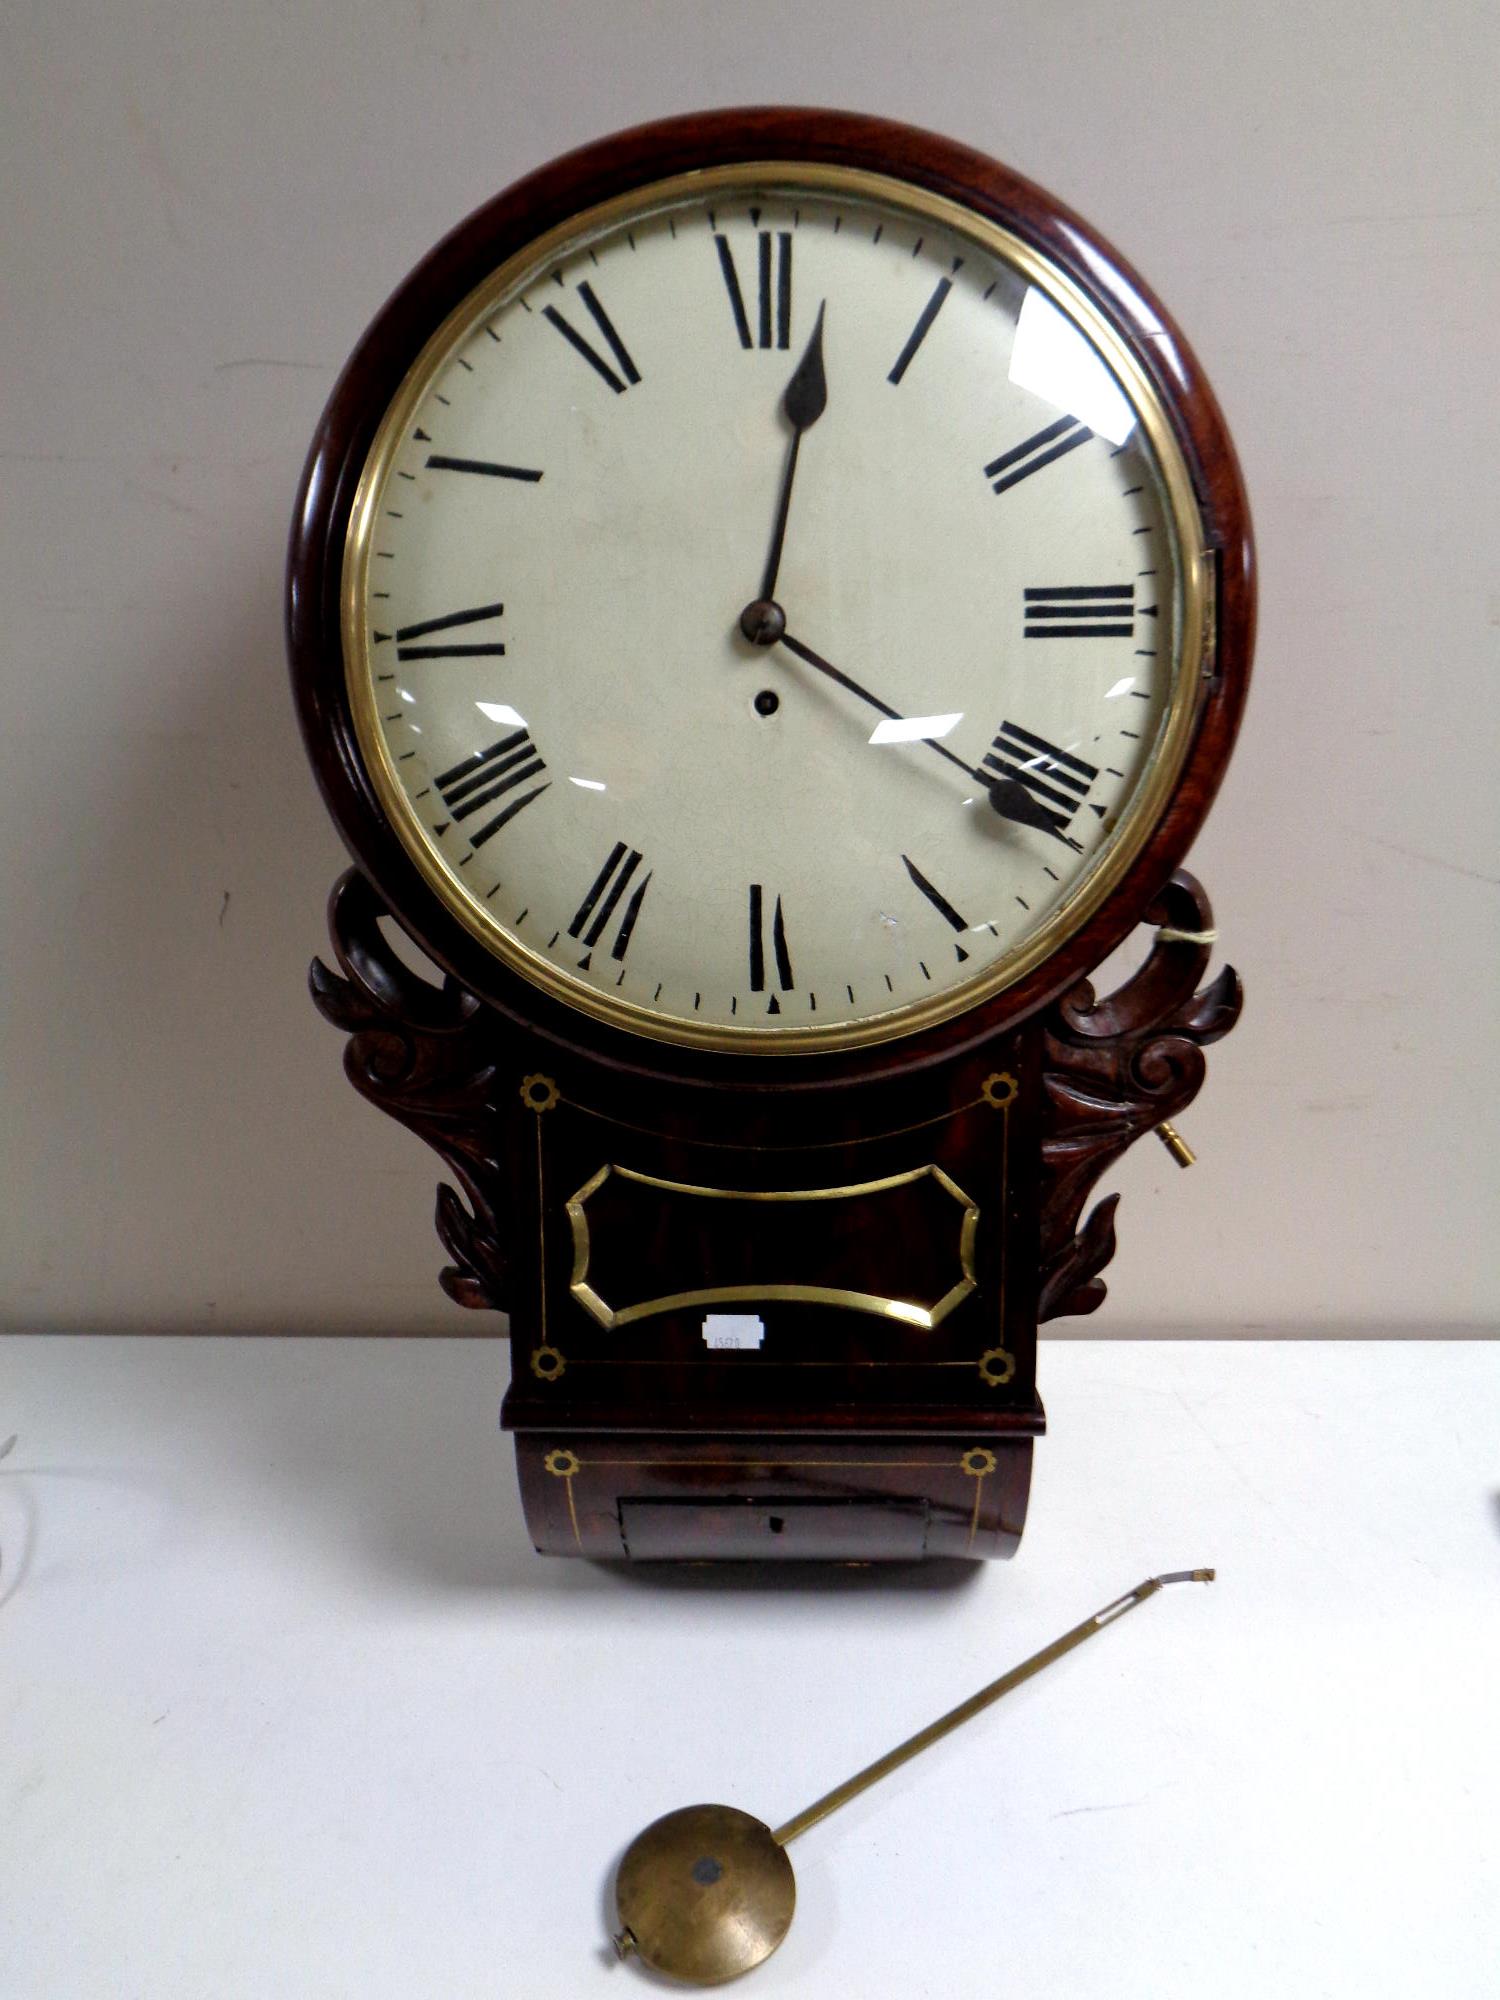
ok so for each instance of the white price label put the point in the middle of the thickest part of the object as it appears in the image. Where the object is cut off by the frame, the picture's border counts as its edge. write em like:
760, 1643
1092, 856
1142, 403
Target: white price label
733, 1330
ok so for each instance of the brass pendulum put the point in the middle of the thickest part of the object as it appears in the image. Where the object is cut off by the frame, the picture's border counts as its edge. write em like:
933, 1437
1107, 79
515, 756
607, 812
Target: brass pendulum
707, 1892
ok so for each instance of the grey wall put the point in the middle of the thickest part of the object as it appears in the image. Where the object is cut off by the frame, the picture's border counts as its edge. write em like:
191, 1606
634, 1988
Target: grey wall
203, 205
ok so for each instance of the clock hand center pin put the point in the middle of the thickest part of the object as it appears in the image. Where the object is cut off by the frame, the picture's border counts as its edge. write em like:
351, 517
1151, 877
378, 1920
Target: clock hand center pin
763, 622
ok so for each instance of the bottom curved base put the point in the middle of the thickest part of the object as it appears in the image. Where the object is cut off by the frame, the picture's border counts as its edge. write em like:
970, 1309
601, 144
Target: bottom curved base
808, 1496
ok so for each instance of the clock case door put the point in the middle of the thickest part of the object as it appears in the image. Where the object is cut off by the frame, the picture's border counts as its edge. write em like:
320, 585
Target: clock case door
898, 1216
876, 1250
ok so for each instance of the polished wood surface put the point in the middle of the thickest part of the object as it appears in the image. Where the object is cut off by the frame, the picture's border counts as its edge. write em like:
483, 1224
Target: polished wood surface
805, 1497
995, 1124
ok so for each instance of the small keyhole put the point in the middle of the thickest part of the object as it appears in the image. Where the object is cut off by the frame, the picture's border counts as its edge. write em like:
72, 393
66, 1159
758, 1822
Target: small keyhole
776, 1524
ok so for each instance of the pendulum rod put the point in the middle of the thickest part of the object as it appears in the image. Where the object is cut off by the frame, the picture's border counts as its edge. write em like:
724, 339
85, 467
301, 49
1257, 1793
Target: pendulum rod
945, 1724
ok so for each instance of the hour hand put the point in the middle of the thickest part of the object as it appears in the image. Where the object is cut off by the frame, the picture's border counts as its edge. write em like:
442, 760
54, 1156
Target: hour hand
806, 395
805, 401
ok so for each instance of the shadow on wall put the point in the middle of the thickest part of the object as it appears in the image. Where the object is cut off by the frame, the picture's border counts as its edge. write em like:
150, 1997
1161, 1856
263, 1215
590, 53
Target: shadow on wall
196, 1160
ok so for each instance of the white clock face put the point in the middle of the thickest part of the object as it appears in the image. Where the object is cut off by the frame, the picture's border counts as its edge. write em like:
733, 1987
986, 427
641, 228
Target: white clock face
720, 790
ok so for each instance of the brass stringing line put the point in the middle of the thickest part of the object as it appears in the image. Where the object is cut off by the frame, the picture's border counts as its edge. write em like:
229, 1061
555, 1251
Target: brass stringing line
784, 1464
1004, 1236
818, 1145
541, 1225
708, 1361
979, 1480
567, 1474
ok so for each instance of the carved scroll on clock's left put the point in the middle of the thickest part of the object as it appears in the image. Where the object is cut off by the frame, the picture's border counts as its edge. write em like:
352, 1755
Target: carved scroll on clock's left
425, 1055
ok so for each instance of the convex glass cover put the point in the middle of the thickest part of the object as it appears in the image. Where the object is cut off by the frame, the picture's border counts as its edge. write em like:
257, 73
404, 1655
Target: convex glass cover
773, 609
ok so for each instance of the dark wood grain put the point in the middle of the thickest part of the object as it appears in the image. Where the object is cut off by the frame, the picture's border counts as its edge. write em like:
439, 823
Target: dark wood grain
1021, 1102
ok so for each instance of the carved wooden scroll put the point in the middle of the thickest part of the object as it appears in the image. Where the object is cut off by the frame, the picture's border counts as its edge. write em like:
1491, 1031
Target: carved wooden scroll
1116, 1068
424, 1054
1113, 1069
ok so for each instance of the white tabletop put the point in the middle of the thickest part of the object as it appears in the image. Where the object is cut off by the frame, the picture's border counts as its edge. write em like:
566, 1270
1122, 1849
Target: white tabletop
289, 1707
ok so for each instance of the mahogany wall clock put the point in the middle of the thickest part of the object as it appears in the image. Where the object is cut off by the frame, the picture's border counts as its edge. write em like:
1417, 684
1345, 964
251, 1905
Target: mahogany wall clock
770, 604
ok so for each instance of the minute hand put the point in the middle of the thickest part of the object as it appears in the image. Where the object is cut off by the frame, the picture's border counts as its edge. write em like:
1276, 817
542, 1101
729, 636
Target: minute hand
1007, 796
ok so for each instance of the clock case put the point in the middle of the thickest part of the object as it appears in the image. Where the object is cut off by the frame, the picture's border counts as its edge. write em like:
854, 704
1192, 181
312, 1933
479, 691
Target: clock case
899, 1217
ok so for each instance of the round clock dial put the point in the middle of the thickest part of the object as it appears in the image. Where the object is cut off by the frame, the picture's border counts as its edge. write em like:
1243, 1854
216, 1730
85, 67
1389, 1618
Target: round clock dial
773, 609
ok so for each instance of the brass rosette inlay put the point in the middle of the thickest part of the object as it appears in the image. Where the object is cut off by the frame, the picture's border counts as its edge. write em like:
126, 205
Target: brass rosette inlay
547, 1362
562, 1464
997, 1366
539, 1093
978, 1463
999, 1090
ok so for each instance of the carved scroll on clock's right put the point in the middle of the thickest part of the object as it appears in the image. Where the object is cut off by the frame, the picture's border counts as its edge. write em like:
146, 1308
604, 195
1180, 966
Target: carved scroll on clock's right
1113, 1069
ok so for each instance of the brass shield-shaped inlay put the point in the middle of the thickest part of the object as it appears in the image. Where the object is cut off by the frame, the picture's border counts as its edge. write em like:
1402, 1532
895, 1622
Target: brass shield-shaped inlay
902, 1247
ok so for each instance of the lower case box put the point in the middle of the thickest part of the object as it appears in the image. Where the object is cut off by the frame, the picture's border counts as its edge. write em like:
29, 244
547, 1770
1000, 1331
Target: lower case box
640, 1497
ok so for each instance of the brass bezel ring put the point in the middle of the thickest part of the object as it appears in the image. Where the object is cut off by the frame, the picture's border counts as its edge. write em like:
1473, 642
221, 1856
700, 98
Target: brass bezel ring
1164, 764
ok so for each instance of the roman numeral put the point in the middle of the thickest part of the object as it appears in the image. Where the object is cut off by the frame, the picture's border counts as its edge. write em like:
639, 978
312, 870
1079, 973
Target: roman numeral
1055, 778
1081, 611
598, 906
1011, 467
774, 300
779, 953
405, 633
489, 775
439, 461
920, 331
590, 353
